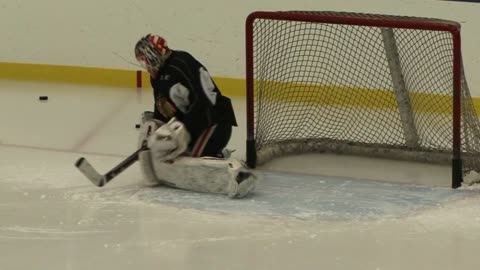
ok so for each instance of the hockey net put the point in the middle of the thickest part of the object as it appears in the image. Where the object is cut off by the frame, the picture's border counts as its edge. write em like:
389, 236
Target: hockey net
362, 84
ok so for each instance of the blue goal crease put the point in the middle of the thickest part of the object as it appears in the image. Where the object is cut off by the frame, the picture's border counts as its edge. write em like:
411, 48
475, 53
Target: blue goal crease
317, 197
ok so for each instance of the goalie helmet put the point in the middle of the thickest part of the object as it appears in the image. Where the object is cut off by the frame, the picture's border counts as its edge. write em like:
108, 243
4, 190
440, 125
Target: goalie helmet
151, 52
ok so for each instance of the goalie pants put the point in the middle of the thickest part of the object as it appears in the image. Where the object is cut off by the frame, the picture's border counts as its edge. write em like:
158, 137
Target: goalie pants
212, 141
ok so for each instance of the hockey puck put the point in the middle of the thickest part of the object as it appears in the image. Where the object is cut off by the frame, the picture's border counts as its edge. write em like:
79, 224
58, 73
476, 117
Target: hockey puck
43, 98
137, 126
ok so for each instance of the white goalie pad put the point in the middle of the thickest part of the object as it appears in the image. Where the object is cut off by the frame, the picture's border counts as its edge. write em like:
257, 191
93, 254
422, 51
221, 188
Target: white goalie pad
207, 174
168, 141
146, 166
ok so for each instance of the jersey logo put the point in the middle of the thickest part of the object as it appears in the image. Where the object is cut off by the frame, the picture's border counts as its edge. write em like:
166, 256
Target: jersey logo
165, 77
165, 108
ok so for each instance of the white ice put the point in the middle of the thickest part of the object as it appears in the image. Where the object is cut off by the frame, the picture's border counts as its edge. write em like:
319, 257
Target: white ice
339, 213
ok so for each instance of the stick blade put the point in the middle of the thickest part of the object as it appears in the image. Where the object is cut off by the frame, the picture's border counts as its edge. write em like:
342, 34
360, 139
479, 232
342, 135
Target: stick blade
86, 169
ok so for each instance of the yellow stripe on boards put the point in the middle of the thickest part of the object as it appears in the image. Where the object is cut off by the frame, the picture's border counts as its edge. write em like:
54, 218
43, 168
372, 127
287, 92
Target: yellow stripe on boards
231, 87
68, 74
328, 95
353, 97
97, 76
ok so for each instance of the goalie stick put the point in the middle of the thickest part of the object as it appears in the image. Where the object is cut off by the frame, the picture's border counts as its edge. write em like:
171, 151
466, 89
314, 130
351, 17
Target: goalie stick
100, 180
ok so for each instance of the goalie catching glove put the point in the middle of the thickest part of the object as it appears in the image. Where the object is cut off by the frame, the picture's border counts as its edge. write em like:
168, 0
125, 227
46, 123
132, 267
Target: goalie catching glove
168, 141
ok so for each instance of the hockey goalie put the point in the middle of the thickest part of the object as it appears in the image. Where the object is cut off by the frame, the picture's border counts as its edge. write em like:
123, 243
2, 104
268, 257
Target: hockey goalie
190, 126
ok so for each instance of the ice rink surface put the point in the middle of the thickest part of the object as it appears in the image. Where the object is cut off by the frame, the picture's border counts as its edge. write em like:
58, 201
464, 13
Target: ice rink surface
308, 212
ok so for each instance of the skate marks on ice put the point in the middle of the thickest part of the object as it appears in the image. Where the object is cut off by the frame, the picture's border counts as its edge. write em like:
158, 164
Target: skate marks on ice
278, 194
293, 195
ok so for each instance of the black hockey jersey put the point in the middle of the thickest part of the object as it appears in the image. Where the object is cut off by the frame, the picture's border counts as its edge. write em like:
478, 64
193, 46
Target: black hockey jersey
184, 89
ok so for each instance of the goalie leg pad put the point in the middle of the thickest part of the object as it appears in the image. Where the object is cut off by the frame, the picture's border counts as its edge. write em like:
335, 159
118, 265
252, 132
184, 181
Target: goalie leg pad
146, 166
206, 174
242, 181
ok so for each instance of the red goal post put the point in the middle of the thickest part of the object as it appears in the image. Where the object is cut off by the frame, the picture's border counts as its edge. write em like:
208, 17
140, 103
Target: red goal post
313, 78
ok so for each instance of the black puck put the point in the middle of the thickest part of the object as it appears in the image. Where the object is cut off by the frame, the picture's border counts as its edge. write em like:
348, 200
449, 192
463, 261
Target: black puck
137, 126
43, 98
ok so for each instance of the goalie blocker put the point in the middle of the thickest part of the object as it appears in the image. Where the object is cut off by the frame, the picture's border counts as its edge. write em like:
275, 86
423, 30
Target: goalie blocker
165, 163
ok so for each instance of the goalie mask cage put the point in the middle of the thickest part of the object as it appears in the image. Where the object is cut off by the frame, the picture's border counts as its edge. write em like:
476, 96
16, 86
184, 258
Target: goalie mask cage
360, 84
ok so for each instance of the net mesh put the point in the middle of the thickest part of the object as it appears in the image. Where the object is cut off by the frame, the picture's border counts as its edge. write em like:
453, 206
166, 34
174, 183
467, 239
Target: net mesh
328, 87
